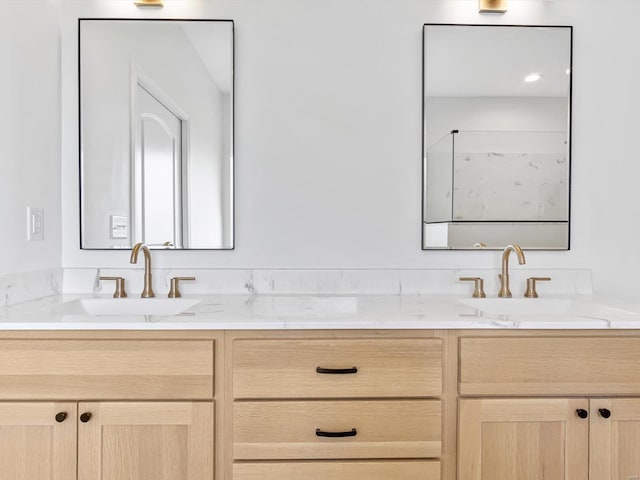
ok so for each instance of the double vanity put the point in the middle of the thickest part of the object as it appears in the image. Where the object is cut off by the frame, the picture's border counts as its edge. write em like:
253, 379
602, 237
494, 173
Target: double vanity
330, 386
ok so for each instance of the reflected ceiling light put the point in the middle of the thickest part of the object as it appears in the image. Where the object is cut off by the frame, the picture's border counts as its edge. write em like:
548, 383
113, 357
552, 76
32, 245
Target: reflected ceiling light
493, 6
149, 3
533, 77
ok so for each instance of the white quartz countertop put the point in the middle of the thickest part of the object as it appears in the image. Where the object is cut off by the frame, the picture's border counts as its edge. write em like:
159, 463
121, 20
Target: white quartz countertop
300, 312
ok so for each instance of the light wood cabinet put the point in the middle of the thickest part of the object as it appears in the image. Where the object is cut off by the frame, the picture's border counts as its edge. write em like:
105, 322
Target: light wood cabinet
337, 368
578, 438
536, 439
524, 439
146, 440
107, 441
100, 369
339, 470
614, 447
337, 429
408, 405
137, 406
335, 405
550, 365
38, 441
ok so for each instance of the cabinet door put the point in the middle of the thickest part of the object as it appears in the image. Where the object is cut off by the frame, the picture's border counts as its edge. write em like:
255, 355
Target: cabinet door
145, 440
524, 439
37, 441
615, 439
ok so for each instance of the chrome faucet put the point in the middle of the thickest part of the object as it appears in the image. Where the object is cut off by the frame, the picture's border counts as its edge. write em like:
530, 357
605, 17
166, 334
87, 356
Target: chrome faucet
147, 291
504, 276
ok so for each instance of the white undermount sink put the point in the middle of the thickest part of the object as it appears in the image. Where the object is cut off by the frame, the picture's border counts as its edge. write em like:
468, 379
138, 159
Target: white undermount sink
519, 306
131, 306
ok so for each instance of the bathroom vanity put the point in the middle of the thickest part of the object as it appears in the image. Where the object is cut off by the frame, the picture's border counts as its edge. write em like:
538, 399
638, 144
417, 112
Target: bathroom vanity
430, 388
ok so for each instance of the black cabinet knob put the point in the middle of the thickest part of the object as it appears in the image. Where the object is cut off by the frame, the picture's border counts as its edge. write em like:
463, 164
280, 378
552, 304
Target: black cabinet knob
61, 417
604, 412
85, 417
582, 413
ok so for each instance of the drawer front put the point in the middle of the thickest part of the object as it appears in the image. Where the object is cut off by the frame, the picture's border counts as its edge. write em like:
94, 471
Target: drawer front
106, 369
550, 366
375, 429
385, 368
348, 470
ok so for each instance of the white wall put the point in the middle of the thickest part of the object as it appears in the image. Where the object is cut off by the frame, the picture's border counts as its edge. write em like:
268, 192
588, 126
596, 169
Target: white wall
328, 132
605, 141
497, 114
29, 133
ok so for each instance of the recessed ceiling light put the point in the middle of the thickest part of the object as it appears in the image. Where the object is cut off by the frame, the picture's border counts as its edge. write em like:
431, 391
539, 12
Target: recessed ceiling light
533, 77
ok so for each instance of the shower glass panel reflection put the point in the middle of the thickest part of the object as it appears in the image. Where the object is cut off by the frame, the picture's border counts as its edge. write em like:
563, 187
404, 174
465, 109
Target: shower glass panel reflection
485, 189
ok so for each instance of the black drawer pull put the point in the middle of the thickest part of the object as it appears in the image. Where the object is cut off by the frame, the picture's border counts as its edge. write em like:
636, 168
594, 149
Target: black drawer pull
582, 413
85, 417
61, 417
337, 371
351, 433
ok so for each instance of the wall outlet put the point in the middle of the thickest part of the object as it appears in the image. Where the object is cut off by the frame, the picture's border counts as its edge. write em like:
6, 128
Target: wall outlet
119, 226
35, 224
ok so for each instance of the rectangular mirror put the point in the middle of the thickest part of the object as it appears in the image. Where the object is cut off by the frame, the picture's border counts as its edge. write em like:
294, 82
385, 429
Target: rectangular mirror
496, 136
156, 133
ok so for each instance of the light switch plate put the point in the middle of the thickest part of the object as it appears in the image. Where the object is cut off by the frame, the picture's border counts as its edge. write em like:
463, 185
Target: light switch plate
35, 224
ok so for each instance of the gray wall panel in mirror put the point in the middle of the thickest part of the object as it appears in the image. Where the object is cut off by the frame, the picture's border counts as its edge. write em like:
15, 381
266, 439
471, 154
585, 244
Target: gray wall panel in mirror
496, 147
156, 133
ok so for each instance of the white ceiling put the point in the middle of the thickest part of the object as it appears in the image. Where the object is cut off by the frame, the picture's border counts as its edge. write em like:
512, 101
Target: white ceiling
478, 61
213, 43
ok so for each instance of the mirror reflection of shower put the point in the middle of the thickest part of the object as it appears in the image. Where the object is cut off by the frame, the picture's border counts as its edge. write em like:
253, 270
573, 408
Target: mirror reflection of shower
480, 183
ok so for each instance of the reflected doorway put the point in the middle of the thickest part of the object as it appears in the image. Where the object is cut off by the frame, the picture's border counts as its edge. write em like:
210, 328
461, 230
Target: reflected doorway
159, 208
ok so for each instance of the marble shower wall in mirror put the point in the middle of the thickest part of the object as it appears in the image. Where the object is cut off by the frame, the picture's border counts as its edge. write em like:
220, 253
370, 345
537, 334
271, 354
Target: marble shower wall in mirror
496, 158
156, 133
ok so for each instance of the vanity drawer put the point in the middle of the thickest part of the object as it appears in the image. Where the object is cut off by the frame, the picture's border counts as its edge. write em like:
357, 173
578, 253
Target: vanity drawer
290, 368
550, 366
271, 430
346, 470
106, 369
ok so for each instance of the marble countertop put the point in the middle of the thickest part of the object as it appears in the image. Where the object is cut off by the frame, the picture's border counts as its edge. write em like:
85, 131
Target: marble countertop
299, 312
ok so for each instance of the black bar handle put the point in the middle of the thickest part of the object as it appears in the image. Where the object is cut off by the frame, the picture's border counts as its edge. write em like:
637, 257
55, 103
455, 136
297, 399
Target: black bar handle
351, 433
337, 371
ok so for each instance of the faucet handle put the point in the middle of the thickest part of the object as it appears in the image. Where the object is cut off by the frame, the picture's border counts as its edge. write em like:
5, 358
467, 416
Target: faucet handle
175, 287
531, 286
478, 291
120, 291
